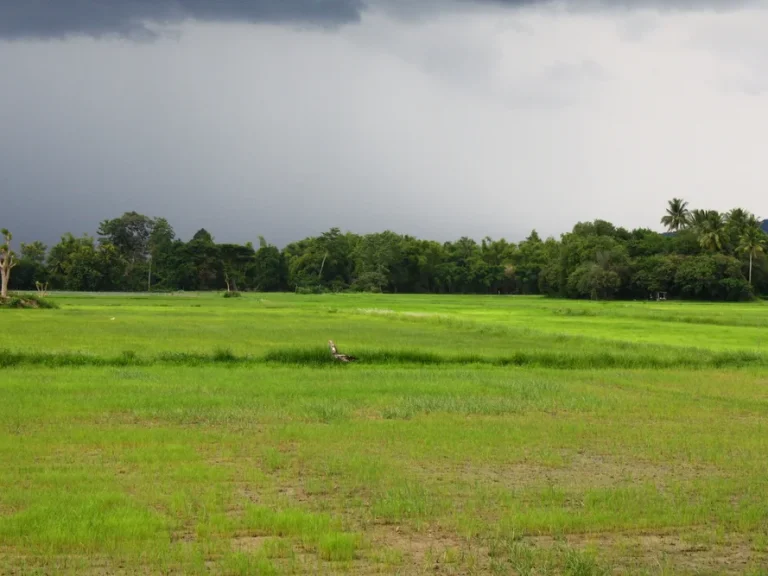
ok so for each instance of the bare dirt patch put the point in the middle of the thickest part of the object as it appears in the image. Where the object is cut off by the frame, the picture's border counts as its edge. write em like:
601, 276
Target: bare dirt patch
249, 543
683, 552
580, 472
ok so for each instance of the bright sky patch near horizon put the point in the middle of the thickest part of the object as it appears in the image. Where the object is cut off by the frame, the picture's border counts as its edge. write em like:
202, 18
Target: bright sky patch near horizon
466, 117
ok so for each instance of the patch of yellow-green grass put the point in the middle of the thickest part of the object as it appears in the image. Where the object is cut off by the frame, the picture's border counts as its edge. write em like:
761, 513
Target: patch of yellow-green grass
149, 326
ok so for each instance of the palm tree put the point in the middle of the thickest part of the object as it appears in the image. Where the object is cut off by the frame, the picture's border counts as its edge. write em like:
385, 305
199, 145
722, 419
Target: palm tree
736, 222
752, 242
711, 229
697, 218
677, 215
738, 218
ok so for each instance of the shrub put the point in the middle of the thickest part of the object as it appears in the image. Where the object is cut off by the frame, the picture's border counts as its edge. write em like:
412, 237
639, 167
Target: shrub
736, 290
27, 301
305, 290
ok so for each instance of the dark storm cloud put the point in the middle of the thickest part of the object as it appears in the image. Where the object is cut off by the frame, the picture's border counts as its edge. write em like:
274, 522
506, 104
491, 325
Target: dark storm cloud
56, 18
60, 18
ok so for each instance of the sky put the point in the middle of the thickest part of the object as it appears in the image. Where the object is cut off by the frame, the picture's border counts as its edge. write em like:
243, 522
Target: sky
436, 118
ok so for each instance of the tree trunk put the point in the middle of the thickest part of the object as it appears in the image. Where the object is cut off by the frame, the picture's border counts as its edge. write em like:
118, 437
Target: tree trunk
750, 268
4, 282
320, 275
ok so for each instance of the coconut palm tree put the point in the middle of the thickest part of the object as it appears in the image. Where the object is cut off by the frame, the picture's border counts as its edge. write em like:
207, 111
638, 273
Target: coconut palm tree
711, 228
677, 215
738, 218
697, 218
736, 222
753, 242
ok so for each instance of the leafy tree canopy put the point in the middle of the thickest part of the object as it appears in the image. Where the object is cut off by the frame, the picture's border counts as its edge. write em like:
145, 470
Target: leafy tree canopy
704, 254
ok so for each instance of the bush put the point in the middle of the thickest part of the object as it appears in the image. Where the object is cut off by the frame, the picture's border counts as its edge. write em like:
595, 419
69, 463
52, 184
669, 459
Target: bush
736, 290
27, 301
233, 294
306, 290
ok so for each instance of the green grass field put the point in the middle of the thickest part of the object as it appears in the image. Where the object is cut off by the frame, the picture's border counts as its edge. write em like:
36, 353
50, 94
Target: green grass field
192, 434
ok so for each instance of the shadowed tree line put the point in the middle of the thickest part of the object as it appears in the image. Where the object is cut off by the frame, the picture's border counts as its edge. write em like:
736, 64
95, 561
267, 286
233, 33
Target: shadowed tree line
704, 254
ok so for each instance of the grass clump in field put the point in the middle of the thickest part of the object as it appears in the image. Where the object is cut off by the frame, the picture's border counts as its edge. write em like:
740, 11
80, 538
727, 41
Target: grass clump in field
338, 547
245, 564
21, 301
524, 559
318, 533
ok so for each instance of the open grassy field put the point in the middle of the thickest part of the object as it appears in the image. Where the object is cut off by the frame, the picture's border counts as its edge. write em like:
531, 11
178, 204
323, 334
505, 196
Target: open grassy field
192, 434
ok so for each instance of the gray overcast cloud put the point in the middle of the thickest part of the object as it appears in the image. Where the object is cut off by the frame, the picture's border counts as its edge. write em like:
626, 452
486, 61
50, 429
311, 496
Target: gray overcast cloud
54, 18
439, 118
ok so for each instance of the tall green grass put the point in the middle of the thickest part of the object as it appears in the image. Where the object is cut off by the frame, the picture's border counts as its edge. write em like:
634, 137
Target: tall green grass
319, 357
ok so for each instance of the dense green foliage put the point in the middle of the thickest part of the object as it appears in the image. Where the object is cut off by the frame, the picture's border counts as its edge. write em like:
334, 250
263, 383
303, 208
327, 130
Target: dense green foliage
705, 256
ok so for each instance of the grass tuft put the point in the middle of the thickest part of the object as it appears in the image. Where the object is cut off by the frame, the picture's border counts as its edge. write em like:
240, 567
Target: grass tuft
578, 563
300, 356
225, 355
242, 564
338, 547
289, 522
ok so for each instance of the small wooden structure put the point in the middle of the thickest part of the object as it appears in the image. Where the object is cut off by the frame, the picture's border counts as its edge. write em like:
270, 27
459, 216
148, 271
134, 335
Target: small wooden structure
658, 296
345, 358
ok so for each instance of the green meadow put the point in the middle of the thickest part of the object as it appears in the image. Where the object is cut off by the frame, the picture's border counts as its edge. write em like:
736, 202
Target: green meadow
193, 434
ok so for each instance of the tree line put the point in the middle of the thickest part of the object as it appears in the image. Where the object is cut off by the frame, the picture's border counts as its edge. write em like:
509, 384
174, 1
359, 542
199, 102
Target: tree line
704, 254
